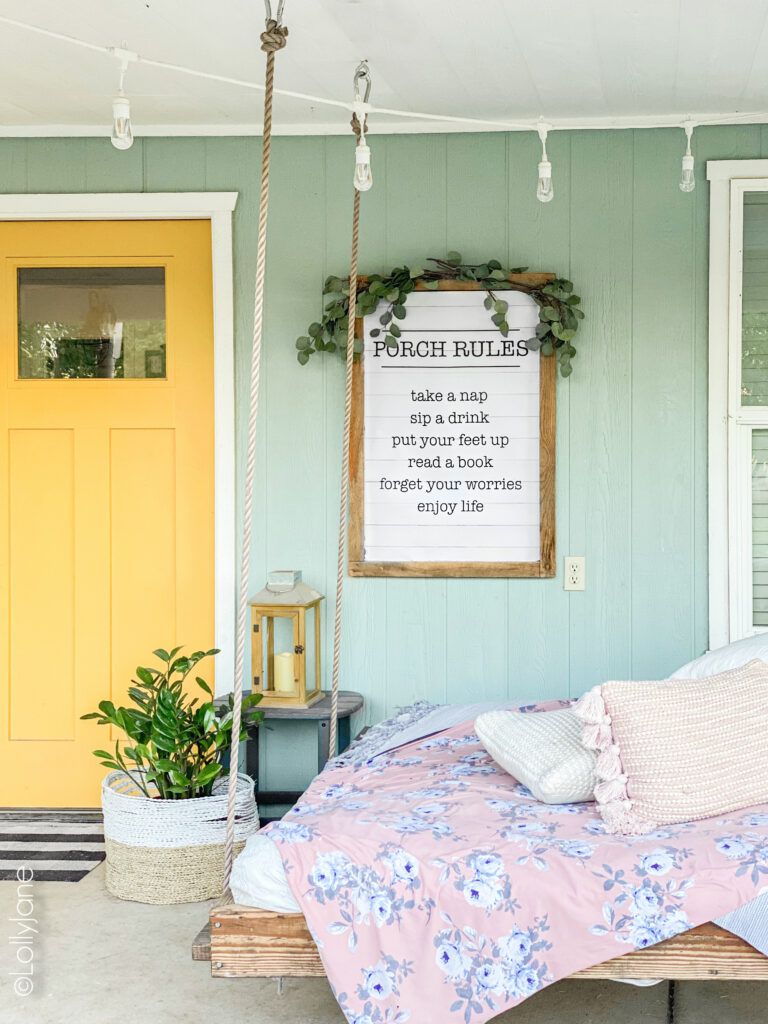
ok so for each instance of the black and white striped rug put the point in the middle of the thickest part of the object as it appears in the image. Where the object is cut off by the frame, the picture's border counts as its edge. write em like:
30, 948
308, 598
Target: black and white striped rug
56, 845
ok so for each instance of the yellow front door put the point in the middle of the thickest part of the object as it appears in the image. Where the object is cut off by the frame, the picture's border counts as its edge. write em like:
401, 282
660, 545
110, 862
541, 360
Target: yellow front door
106, 481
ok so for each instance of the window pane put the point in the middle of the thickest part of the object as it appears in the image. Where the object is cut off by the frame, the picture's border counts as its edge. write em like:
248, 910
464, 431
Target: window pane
760, 528
77, 322
754, 308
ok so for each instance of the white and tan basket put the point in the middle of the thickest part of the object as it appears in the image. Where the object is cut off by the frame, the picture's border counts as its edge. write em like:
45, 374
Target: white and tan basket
170, 851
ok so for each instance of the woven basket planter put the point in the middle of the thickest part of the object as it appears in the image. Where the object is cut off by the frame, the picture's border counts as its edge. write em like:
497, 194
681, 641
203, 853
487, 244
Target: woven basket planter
170, 851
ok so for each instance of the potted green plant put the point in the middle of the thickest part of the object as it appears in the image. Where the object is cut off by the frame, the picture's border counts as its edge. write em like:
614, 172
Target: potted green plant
165, 798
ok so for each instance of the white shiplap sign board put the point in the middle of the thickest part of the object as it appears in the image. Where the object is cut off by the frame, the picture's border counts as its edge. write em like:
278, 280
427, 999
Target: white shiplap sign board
451, 436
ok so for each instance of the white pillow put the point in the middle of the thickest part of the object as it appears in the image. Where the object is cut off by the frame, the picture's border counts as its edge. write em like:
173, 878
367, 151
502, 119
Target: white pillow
735, 655
543, 750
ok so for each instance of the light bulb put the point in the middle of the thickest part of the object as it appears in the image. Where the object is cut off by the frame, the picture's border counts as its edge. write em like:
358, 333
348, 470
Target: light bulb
687, 179
363, 179
545, 192
122, 135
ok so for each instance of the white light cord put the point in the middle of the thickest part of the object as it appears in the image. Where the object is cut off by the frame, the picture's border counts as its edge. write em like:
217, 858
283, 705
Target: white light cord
687, 172
545, 192
756, 117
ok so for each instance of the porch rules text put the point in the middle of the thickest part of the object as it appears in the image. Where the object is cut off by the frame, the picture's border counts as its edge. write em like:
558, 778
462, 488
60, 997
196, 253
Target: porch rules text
452, 433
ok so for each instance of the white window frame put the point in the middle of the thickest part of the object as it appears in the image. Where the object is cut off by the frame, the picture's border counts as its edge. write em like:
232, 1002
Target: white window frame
217, 207
730, 423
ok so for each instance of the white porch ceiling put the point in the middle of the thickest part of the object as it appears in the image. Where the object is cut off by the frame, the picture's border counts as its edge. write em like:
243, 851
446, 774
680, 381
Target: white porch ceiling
510, 60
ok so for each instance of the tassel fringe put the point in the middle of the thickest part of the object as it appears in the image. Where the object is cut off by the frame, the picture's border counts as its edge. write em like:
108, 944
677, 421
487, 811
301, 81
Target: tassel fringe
611, 790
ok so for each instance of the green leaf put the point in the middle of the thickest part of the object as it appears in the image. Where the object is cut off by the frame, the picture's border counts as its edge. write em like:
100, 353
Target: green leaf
454, 258
498, 275
547, 348
394, 330
533, 344
501, 306
145, 675
415, 272
566, 369
549, 313
315, 330
399, 311
498, 319
488, 302
432, 286
332, 284
573, 300
302, 343
391, 343
208, 774
303, 358
375, 332
162, 654
203, 685
494, 264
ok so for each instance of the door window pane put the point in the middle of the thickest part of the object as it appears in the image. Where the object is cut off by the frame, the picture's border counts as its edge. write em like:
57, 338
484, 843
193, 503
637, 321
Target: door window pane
754, 302
760, 528
91, 322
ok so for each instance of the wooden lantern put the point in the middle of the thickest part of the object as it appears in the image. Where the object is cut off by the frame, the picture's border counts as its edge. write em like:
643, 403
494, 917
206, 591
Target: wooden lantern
281, 676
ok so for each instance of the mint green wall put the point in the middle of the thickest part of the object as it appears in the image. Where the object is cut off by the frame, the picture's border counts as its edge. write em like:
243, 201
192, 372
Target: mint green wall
631, 473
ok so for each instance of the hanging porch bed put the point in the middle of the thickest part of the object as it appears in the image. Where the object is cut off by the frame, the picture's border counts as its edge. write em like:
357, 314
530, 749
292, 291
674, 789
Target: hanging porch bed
434, 883
245, 942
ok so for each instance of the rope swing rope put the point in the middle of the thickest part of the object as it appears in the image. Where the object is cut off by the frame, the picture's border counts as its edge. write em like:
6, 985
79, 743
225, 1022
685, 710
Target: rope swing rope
274, 38
358, 129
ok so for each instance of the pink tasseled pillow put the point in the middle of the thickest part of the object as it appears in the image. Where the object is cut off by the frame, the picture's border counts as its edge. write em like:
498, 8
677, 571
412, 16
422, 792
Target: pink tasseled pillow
678, 750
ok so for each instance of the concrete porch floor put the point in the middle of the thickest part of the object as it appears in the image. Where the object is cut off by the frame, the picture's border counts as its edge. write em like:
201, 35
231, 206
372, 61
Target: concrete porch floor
99, 960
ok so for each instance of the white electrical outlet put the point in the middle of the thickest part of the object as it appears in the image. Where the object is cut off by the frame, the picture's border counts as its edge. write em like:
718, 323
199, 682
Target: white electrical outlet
575, 572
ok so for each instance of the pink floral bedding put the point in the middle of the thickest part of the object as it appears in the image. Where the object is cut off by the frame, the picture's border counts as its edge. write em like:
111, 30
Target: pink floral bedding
438, 890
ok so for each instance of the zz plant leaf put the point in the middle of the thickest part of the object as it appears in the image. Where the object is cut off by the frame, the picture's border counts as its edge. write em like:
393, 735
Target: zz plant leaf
559, 309
176, 742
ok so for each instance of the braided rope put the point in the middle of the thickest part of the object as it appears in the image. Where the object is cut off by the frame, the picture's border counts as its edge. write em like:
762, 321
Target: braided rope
272, 40
344, 496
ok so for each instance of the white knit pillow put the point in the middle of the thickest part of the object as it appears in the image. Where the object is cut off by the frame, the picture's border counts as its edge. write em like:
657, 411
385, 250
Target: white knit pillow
541, 749
680, 749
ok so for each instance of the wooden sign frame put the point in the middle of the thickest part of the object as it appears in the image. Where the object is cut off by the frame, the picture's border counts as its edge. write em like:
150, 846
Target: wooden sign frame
545, 567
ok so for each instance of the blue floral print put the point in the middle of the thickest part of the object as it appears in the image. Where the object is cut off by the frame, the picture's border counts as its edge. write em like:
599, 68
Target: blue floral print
644, 909
486, 972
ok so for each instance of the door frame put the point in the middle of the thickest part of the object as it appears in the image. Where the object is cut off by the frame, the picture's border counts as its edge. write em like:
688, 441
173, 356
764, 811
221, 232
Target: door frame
216, 207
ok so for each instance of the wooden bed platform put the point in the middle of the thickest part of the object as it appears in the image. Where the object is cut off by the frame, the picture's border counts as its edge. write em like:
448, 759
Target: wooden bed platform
244, 942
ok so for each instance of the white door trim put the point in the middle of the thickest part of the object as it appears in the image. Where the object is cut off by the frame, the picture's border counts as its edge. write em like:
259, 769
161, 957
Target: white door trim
730, 423
216, 207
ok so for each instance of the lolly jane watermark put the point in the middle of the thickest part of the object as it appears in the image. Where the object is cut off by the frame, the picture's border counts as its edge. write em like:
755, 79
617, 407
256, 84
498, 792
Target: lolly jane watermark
23, 933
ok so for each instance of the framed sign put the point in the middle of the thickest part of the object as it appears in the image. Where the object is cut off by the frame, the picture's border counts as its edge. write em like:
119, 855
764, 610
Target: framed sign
453, 441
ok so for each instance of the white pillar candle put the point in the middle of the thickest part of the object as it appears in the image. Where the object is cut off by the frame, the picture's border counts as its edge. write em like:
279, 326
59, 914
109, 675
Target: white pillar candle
284, 680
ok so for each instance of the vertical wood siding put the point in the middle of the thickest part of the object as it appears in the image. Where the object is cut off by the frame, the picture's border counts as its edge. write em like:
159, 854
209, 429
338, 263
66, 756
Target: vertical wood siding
631, 470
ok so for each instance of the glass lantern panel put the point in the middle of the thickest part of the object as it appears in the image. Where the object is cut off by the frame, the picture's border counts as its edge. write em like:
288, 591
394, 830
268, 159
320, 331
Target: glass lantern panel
311, 627
283, 670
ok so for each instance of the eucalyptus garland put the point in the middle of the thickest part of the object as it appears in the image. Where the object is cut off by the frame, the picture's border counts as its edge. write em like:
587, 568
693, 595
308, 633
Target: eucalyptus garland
559, 308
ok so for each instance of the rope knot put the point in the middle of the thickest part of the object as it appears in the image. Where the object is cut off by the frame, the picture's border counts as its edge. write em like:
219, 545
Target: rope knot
356, 127
274, 37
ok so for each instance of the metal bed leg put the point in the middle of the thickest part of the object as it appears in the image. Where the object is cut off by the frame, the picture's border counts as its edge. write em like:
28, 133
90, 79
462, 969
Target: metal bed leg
671, 997
280, 985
